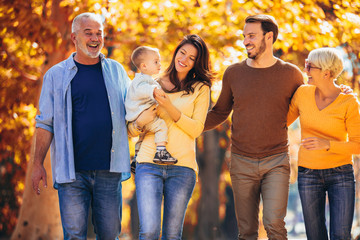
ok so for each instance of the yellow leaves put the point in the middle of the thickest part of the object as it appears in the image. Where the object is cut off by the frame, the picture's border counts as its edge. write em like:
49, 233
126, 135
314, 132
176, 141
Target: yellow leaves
29, 37
65, 3
353, 18
325, 27
17, 159
286, 29
223, 143
146, 5
37, 9
214, 23
20, 186
22, 116
192, 218
345, 38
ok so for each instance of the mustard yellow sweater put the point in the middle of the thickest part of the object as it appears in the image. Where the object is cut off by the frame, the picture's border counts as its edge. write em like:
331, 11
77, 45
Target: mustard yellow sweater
181, 134
339, 122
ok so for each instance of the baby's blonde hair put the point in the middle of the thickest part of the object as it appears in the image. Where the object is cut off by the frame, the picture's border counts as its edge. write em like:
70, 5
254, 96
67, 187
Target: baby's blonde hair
327, 59
139, 54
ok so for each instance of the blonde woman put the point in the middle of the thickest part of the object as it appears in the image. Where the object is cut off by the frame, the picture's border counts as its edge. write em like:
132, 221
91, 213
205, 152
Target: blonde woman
330, 133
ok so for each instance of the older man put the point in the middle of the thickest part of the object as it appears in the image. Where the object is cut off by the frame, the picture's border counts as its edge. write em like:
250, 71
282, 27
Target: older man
82, 117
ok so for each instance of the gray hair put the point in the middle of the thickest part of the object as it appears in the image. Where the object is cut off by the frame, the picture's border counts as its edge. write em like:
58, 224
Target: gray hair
327, 59
76, 22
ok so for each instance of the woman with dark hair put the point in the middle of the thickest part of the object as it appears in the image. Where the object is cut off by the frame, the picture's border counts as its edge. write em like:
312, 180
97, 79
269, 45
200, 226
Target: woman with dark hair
187, 83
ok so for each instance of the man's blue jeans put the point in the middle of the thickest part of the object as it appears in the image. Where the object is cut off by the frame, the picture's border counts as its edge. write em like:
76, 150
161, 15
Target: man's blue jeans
339, 184
153, 183
100, 189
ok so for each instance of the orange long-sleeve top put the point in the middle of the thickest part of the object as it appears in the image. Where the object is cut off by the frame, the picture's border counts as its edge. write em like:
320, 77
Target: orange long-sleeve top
339, 122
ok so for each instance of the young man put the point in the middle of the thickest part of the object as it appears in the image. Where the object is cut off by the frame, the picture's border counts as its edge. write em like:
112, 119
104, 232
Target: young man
82, 116
258, 90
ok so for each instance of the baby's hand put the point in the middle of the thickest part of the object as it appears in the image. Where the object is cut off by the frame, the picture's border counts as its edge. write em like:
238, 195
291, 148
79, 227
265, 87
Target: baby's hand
158, 93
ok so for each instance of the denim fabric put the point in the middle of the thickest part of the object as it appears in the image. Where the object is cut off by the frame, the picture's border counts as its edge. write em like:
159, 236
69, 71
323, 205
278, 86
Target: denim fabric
55, 116
153, 183
102, 191
339, 184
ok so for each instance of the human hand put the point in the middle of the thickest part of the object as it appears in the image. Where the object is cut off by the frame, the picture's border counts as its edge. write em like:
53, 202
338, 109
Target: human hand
38, 174
163, 100
346, 89
315, 143
159, 92
146, 116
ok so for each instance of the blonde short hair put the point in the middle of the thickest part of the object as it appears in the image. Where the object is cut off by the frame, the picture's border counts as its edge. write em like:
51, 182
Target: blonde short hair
139, 54
327, 59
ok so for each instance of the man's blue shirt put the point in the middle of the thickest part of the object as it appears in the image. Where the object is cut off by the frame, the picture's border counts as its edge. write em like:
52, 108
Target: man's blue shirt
55, 106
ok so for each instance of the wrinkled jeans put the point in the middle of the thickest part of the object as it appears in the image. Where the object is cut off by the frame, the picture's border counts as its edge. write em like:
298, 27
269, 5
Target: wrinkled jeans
100, 189
339, 184
154, 183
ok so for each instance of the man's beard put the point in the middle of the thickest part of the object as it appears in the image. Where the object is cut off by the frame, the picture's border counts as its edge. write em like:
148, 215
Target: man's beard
88, 53
261, 50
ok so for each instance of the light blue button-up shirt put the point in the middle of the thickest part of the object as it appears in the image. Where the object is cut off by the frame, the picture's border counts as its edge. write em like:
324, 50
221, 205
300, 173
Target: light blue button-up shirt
55, 116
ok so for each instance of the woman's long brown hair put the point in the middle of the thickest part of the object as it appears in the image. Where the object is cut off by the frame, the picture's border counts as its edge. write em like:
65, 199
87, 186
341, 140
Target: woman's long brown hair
201, 71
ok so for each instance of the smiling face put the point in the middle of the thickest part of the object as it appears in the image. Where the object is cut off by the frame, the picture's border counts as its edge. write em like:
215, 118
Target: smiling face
313, 72
185, 60
88, 40
254, 40
323, 66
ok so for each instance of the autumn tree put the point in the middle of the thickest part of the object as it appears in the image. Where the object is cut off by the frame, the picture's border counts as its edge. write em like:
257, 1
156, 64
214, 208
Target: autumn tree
30, 43
35, 36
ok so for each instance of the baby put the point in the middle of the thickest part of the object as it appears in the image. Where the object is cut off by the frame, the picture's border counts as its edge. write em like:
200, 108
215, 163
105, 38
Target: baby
140, 97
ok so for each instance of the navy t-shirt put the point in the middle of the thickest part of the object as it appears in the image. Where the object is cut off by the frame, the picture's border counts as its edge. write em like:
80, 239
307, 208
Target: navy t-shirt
91, 119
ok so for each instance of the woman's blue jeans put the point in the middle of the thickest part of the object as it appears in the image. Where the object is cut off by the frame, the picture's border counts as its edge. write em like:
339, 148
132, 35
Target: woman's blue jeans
102, 191
339, 184
154, 183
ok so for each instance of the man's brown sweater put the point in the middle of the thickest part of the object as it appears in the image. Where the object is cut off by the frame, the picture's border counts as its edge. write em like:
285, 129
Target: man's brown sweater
259, 98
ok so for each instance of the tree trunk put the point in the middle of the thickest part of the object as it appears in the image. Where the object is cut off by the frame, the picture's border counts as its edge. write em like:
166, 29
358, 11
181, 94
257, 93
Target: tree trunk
210, 162
134, 217
39, 216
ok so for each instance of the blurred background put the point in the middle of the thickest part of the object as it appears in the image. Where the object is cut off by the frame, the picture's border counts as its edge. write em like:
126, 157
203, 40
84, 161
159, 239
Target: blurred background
35, 35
